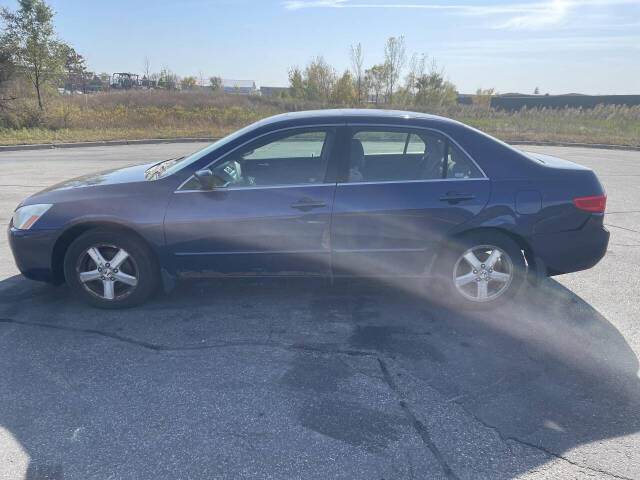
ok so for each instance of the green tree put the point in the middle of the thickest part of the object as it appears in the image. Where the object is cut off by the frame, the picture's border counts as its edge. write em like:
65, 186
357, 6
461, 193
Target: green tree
483, 97
417, 68
344, 91
376, 78
188, 83
318, 79
296, 83
394, 60
403, 97
215, 83
7, 74
74, 66
434, 91
357, 60
167, 79
30, 30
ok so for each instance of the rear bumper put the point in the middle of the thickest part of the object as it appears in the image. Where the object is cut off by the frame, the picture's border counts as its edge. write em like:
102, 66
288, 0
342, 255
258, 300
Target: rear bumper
571, 251
32, 252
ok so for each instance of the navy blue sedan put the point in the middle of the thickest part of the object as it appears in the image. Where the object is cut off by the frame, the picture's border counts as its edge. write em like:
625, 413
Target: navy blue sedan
334, 193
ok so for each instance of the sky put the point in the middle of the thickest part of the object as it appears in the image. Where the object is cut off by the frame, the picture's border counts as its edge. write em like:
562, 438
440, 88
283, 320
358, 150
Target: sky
559, 46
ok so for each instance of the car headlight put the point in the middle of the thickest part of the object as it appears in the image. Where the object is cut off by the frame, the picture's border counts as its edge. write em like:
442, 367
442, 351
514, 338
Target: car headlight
25, 217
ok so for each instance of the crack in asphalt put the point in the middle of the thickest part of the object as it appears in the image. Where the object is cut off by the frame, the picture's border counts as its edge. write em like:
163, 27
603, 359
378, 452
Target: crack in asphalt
477, 392
420, 428
544, 450
169, 348
417, 425
132, 341
324, 349
24, 186
504, 439
560, 457
622, 228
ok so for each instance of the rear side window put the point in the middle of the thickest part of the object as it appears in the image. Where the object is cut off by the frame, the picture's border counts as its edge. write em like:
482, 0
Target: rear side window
382, 143
459, 165
415, 144
395, 155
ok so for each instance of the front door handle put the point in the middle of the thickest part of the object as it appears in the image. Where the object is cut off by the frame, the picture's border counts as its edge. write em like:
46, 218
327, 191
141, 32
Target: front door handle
307, 204
455, 197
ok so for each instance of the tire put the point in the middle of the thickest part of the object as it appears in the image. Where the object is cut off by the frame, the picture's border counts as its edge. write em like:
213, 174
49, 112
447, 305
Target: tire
481, 270
111, 269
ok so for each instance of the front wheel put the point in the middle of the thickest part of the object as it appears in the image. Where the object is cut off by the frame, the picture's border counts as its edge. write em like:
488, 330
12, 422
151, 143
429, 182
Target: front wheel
110, 269
482, 270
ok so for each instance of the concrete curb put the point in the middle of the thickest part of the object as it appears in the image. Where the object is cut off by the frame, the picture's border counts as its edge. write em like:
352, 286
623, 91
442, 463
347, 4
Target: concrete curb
151, 141
582, 145
106, 143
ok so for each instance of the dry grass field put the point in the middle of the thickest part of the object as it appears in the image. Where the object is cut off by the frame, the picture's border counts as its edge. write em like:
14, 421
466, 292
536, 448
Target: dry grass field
165, 114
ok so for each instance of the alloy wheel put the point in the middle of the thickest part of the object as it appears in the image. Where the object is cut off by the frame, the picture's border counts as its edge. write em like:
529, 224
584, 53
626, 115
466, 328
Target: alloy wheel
107, 272
483, 273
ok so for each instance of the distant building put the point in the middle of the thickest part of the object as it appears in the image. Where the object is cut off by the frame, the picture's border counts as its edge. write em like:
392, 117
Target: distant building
274, 91
464, 98
514, 101
244, 87
124, 80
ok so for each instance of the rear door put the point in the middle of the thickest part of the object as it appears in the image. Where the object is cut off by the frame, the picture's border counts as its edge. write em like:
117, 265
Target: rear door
272, 219
402, 191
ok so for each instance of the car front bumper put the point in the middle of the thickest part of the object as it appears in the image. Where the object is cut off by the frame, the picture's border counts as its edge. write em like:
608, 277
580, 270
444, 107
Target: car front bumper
574, 250
32, 251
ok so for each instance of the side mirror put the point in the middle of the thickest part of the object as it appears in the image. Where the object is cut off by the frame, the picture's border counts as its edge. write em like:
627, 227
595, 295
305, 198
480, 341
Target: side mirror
208, 180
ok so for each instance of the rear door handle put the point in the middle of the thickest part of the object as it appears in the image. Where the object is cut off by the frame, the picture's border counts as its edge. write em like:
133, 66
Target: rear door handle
307, 204
454, 197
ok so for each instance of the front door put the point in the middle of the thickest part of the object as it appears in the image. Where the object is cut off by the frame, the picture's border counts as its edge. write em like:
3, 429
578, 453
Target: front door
403, 191
272, 219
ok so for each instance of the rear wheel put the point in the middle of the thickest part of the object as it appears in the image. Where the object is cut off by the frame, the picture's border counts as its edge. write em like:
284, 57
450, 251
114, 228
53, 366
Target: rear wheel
482, 270
110, 269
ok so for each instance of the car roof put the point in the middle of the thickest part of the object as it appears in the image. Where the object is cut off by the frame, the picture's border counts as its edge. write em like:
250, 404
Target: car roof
355, 115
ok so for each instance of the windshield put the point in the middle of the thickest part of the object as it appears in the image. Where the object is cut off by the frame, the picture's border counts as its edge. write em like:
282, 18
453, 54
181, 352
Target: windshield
174, 166
156, 171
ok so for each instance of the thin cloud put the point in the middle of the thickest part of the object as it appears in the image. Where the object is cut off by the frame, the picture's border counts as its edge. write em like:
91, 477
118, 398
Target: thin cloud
551, 14
522, 16
544, 44
296, 4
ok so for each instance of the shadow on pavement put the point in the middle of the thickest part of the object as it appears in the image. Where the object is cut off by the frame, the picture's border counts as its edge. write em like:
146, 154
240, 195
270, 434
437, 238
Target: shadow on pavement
248, 378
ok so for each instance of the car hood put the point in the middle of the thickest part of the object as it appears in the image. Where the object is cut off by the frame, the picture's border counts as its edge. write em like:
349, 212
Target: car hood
93, 184
131, 174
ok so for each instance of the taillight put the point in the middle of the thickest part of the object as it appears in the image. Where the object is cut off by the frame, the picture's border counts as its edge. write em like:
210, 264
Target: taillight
596, 203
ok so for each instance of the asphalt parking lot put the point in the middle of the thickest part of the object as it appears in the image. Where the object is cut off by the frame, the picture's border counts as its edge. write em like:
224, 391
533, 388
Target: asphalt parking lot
300, 379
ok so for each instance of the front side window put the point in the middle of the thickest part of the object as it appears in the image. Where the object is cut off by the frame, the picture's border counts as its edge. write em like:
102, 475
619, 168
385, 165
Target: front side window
169, 167
301, 145
297, 157
394, 155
